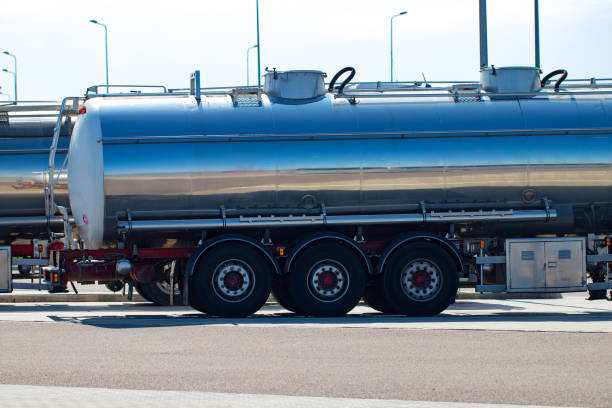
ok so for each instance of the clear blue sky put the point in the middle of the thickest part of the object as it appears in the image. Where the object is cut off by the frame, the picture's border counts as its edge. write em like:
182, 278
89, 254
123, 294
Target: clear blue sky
60, 52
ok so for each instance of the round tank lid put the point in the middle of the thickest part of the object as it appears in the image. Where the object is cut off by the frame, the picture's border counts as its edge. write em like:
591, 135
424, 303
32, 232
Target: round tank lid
510, 80
295, 84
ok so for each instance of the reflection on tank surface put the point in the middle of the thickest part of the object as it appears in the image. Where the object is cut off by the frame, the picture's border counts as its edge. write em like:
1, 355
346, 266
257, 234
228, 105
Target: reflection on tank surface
163, 154
24, 162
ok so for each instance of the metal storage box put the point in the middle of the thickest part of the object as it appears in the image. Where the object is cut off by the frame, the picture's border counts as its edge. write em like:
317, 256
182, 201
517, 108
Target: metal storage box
6, 277
545, 264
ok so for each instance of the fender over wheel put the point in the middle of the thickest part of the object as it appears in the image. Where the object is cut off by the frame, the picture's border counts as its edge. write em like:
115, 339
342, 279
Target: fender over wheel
420, 279
231, 280
326, 280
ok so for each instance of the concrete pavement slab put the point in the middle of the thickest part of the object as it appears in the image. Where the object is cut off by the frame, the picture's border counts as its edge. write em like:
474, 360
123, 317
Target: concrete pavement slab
25, 396
571, 314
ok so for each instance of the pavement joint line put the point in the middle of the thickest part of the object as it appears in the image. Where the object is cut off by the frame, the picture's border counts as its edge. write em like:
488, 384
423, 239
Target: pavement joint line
70, 397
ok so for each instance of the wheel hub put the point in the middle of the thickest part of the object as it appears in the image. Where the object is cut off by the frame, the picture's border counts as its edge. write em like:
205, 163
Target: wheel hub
328, 280
421, 280
233, 280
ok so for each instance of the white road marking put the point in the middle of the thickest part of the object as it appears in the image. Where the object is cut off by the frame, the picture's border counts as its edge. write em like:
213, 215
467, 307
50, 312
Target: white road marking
571, 314
25, 396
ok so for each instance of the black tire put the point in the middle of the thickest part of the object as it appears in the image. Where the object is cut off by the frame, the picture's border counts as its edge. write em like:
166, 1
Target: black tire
142, 292
374, 296
159, 293
420, 279
235, 264
280, 291
340, 267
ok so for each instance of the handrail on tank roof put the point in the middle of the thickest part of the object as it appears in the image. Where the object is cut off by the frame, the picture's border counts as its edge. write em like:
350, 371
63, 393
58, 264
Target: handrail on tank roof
30, 106
380, 89
24, 111
450, 94
94, 89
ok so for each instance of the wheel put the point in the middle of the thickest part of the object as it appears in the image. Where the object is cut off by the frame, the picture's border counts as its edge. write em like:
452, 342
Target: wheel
420, 280
281, 293
159, 292
24, 269
374, 296
232, 280
326, 280
142, 292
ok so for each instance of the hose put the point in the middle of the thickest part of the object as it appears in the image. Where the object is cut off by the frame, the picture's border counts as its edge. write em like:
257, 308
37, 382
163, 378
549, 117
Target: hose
345, 82
552, 74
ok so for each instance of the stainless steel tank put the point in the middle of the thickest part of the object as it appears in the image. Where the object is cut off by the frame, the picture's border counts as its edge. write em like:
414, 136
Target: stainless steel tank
24, 161
172, 155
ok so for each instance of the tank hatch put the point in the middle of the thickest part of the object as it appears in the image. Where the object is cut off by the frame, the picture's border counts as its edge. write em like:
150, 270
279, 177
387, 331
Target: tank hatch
296, 84
510, 80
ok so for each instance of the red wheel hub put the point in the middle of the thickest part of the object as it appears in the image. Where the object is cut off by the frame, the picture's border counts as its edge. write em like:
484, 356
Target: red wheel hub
233, 280
328, 280
421, 279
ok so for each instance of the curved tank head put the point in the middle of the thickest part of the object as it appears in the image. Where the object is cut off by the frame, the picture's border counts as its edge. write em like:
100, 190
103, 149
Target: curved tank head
86, 180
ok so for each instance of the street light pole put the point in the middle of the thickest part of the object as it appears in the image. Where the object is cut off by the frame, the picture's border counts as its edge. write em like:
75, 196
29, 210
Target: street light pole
536, 17
14, 76
247, 67
105, 47
258, 47
15, 73
482, 19
397, 15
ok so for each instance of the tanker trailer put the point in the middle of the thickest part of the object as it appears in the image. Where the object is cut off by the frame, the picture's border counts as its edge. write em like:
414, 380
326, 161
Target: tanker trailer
395, 193
26, 133
24, 161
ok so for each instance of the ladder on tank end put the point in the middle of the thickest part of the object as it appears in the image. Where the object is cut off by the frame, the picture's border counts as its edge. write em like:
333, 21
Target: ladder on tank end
69, 107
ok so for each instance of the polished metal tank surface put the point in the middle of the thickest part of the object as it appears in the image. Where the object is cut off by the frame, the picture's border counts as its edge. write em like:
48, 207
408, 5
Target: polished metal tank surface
173, 153
24, 161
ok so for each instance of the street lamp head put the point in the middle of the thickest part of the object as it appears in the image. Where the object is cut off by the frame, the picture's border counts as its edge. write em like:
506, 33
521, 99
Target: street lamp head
402, 13
93, 21
5, 70
6, 52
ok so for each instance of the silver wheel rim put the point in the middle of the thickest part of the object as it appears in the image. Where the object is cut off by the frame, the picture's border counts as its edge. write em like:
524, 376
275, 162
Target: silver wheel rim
164, 287
233, 280
328, 280
421, 280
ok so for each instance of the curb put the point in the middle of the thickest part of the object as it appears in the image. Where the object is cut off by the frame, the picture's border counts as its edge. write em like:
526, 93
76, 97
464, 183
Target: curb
69, 297
117, 297
506, 296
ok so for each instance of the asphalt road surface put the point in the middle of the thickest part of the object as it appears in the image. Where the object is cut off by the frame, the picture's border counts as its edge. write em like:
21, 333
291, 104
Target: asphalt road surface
524, 352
